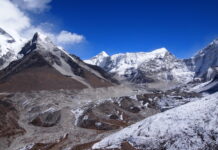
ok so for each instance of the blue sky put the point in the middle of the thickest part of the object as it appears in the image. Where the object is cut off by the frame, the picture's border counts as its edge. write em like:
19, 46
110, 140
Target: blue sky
182, 26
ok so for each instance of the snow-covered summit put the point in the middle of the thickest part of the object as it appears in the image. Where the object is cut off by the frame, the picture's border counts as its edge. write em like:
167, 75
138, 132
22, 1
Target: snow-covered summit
129, 66
213, 46
99, 60
7, 36
122, 61
214, 42
103, 53
39, 42
9, 47
161, 51
9, 43
204, 59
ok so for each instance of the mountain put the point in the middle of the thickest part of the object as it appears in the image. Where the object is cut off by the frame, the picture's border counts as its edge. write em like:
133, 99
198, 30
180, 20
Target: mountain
143, 67
140, 67
204, 59
44, 66
9, 47
50, 99
191, 126
100, 60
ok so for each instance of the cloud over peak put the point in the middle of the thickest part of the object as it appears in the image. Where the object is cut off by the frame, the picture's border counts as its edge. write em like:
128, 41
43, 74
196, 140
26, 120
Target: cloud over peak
17, 23
12, 19
66, 37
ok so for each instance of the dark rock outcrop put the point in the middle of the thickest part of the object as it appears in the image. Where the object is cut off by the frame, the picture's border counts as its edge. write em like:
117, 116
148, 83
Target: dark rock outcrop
47, 119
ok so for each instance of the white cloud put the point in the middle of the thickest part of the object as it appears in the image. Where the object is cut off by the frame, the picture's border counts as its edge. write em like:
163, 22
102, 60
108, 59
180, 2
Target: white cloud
33, 5
12, 19
17, 23
65, 37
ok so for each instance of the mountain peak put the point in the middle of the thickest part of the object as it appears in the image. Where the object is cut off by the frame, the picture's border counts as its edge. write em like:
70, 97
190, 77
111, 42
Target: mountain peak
35, 36
161, 50
2, 31
211, 47
103, 53
40, 37
39, 42
99, 60
6, 36
215, 42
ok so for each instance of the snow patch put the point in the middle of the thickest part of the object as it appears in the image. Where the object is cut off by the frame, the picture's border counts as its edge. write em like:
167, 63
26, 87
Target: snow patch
78, 113
27, 147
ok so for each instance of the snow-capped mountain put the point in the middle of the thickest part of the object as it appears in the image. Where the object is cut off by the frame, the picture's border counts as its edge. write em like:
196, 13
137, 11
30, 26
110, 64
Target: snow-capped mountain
43, 61
100, 60
140, 67
204, 59
9, 48
166, 68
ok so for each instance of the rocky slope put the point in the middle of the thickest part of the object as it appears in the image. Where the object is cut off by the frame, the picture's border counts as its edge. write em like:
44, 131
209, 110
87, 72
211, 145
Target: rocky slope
118, 112
211, 86
191, 126
44, 66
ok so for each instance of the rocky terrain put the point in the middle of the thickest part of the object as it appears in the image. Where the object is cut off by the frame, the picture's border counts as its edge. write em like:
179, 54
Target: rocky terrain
191, 126
9, 126
49, 122
52, 100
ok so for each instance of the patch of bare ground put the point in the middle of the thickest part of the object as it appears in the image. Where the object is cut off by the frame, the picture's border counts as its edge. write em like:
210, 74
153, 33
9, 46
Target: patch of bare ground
85, 146
123, 146
51, 146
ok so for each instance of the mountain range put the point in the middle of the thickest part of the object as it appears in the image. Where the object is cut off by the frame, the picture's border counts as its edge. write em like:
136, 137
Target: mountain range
139, 67
53, 100
158, 65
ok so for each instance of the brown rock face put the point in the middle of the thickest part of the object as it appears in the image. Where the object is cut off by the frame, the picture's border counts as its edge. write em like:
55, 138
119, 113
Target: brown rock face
51, 146
9, 127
